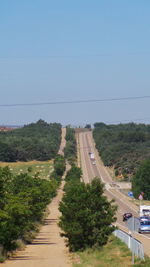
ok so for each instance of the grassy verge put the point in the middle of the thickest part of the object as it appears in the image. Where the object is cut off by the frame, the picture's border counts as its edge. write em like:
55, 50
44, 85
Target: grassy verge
115, 253
42, 168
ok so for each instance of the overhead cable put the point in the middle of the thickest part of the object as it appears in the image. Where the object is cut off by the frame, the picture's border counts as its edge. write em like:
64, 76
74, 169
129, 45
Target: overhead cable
75, 101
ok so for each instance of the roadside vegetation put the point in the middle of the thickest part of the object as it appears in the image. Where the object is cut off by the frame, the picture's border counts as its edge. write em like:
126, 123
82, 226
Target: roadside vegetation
141, 180
123, 146
59, 168
36, 141
114, 253
70, 150
24, 197
86, 213
126, 147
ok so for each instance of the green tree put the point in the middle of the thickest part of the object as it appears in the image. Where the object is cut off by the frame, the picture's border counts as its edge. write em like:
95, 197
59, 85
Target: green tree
88, 126
86, 215
74, 174
59, 165
141, 180
23, 200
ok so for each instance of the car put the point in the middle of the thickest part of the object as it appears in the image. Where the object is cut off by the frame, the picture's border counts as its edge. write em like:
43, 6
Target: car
126, 216
144, 226
144, 218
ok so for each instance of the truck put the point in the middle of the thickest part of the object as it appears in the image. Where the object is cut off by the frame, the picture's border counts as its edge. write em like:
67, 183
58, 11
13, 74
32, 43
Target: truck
92, 157
144, 210
91, 154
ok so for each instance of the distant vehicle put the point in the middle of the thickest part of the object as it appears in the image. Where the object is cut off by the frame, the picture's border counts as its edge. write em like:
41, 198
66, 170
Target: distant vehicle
92, 157
126, 216
94, 162
144, 226
144, 210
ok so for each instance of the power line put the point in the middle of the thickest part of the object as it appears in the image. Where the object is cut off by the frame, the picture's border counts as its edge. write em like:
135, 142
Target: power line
75, 101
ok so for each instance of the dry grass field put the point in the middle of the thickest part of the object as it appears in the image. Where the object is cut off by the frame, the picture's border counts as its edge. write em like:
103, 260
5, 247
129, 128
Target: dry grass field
42, 168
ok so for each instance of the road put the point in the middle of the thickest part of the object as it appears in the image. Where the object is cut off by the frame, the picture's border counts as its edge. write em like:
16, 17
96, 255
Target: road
86, 145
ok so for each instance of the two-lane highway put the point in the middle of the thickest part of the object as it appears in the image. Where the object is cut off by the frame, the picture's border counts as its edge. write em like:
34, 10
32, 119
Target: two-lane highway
90, 170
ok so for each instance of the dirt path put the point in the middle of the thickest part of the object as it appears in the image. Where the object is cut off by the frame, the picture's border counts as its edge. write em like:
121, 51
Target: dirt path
48, 249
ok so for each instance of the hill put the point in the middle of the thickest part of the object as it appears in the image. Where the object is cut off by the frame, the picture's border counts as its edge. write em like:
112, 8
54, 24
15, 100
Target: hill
36, 141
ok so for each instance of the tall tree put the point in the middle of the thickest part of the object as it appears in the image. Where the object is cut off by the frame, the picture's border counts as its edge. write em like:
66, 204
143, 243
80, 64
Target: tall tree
86, 215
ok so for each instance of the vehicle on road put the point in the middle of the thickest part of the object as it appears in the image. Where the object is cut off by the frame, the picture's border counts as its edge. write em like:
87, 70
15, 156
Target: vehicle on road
144, 210
126, 216
91, 154
144, 226
144, 218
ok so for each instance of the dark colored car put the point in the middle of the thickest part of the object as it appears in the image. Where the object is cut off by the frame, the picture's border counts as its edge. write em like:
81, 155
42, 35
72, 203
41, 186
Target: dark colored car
126, 216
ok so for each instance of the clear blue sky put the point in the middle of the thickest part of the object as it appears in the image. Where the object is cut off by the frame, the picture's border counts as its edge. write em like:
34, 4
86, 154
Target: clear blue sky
67, 50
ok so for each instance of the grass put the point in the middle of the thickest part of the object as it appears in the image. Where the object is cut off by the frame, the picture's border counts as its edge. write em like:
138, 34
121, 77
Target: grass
114, 253
42, 168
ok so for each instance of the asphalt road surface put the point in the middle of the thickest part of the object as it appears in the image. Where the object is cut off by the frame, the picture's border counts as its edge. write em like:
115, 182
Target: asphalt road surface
90, 170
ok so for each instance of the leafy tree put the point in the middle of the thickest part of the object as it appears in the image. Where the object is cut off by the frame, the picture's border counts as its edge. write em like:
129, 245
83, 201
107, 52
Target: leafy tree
59, 165
74, 174
59, 168
86, 215
141, 180
23, 199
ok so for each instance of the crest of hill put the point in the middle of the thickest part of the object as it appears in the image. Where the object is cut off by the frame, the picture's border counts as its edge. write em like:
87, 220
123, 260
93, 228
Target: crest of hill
36, 141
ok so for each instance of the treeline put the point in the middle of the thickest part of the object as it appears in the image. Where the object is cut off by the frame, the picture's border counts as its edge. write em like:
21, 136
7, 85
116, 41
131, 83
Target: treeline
86, 213
123, 146
23, 202
70, 150
36, 141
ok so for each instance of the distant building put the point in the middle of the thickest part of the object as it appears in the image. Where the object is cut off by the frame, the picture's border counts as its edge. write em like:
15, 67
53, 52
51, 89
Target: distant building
5, 129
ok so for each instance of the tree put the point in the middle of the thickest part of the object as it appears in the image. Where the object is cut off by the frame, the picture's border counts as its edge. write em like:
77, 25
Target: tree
141, 180
88, 126
86, 215
74, 173
59, 165
23, 199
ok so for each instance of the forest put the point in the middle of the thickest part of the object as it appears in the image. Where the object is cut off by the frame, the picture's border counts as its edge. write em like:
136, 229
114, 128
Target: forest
36, 141
123, 146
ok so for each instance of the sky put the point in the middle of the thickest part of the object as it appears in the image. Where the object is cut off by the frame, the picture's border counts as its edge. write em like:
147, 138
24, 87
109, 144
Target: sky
63, 50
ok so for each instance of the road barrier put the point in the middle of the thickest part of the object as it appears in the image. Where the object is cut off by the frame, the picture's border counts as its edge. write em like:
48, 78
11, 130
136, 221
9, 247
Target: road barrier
133, 244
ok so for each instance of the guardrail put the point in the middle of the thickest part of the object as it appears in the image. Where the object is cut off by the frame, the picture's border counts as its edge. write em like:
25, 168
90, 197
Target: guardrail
133, 244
